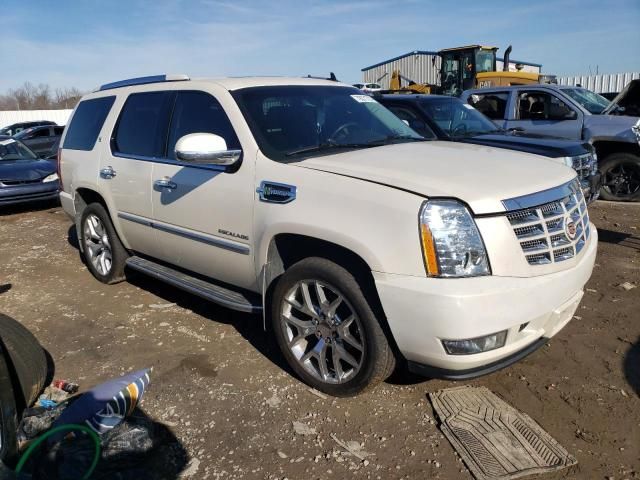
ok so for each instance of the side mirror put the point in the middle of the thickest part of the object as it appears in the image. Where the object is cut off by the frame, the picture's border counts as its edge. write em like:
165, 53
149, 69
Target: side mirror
206, 149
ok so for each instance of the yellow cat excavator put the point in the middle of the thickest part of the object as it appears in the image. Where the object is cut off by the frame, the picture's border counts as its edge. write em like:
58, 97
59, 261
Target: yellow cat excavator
472, 66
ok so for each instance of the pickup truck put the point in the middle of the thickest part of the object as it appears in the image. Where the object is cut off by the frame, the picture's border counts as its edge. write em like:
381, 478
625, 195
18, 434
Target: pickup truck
575, 113
362, 244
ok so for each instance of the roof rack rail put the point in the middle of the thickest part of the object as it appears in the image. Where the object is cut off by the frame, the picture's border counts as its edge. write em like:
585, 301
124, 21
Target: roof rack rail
143, 80
332, 77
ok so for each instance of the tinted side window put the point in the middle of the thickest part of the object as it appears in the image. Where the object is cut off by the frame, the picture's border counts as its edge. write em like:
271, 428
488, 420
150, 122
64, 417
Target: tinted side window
412, 119
493, 105
143, 123
199, 112
43, 132
537, 105
58, 130
87, 122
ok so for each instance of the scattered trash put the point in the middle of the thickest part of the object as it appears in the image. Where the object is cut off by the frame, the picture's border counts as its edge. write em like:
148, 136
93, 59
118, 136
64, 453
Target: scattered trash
162, 305
66, 386
354, 448
317, 393
508, 446
592, 290
192, 468
47, 404
282, 454
303, 429
274, 401
627, 286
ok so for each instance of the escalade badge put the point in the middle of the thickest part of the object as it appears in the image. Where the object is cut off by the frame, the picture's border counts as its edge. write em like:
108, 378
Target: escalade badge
570, 229
273, 192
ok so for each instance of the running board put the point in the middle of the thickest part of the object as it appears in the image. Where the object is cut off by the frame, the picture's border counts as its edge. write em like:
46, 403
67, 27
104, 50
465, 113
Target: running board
210, 291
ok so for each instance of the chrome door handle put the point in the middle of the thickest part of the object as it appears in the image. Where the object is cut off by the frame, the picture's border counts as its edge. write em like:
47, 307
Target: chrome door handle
165, 183
107, 172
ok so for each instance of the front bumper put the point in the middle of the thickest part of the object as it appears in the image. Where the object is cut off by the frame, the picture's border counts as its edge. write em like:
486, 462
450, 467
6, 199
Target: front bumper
591, 187
424, 311
29, 193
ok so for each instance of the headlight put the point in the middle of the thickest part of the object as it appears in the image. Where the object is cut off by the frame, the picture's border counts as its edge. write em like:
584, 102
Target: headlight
51, 178
451, 242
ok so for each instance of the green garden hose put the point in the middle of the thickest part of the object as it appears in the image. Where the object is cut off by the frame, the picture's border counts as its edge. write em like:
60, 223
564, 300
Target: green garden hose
96, 440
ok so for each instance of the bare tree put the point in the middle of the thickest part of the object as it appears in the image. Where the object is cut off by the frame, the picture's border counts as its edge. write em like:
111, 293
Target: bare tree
39, 97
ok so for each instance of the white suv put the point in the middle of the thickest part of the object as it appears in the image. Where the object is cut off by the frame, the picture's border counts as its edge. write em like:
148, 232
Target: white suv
361, 242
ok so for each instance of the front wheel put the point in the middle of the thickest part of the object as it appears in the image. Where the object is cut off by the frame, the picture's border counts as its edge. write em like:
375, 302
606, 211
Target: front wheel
327, 330
620, 177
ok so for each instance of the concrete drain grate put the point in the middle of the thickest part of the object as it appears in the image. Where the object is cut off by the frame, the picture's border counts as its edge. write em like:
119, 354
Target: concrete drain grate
495, 440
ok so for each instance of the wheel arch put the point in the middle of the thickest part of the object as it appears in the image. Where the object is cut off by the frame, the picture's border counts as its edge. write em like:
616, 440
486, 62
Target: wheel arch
604, 148
285, 249
84, 196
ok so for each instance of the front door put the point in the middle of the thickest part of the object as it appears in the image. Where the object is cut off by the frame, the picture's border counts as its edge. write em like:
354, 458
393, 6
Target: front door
203, 214
541, 112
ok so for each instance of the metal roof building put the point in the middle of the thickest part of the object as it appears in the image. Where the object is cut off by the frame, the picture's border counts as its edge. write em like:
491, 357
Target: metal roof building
423, 66
602, 83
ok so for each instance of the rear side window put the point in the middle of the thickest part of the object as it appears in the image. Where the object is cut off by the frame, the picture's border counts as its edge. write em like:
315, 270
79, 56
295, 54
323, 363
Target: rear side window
143, 124
199, 112
493, 105
87, 122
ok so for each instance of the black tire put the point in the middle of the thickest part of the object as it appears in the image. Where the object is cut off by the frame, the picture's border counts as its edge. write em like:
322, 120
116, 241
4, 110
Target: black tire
25, 359
620, 177
119, 254
377, 360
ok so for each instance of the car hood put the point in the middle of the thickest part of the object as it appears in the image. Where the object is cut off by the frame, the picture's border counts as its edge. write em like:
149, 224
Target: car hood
611, 127
480, 176
628, 98
536, 144
17, 170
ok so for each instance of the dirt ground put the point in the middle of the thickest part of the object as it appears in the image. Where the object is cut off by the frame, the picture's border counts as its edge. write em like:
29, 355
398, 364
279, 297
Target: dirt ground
220, 385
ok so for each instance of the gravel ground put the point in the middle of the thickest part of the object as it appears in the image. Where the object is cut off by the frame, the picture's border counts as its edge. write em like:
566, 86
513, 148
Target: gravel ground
220, 385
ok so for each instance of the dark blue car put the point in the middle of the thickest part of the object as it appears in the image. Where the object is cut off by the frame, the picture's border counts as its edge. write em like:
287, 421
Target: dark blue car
23, 176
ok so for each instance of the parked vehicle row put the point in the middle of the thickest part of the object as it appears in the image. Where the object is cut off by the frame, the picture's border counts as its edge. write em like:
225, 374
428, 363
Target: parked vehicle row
361, 241
448, 118
574, 113
23, 175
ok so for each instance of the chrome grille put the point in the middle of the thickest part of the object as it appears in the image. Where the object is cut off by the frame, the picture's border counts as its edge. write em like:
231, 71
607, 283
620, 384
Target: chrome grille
544, 231
584, 165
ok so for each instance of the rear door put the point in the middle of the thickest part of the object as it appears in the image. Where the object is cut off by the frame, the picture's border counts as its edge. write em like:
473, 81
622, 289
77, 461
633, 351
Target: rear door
138, 139
204, 220
545, 113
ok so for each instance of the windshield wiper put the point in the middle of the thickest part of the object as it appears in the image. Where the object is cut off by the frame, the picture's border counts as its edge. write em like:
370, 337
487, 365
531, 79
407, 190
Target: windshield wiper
373, 143
328, 146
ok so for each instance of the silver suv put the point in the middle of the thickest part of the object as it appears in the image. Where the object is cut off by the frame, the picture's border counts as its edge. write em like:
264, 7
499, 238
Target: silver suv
360, 241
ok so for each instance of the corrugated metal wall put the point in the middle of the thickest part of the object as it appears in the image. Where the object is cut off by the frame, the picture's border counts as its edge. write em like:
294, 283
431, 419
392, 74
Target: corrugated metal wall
418, 67
602, 83
10, 117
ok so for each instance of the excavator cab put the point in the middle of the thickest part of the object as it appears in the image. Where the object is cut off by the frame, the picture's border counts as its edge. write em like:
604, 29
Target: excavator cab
461, 65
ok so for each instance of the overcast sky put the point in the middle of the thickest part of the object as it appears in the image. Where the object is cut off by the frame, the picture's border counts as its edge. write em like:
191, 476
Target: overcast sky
86, 43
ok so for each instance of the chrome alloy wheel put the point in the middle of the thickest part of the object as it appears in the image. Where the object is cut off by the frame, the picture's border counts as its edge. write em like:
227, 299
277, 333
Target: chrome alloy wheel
323, 331
97, 245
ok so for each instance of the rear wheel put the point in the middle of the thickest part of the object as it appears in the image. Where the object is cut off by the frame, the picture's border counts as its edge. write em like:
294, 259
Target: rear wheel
620, 177
327, 330
103, 251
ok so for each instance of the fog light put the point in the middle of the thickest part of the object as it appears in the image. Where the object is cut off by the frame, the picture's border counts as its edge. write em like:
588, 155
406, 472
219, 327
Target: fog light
475, 345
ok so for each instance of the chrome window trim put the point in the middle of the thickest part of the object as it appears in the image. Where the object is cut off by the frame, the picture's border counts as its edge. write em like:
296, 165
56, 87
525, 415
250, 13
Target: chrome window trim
541, 197
199, 237
169, 161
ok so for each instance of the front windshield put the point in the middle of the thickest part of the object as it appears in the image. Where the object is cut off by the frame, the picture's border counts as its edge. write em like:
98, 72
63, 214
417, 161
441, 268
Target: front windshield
12, 150
485, 61
456, 118
591, 101
289, 122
